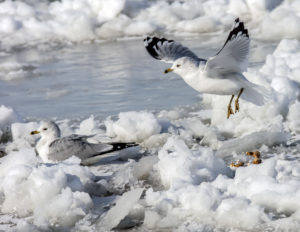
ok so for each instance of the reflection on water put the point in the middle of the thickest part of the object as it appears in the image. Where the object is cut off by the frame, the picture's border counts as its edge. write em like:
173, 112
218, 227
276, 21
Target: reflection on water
101, 79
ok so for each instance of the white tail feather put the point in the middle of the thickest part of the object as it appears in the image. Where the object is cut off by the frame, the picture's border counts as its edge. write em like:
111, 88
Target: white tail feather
256, 94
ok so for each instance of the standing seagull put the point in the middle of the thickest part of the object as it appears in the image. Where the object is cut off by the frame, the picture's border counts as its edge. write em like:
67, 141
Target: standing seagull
220, 74
51, 147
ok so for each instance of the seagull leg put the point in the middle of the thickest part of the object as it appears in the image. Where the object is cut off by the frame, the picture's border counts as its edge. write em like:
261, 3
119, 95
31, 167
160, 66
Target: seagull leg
229, 109
237, 105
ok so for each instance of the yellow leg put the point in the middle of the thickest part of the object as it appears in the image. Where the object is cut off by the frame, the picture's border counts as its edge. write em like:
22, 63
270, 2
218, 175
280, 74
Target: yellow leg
229, 109
237, 105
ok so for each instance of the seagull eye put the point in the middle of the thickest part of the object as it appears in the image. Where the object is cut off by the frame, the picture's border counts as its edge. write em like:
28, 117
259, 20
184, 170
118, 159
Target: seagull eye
45, 128
178, 65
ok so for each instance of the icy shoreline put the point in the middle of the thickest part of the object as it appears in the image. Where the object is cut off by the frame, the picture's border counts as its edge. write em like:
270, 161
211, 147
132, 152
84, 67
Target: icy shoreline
33, 22
180, 178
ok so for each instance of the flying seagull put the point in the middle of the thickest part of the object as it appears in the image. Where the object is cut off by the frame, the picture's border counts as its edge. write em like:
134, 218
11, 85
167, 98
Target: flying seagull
51, 147
220, 74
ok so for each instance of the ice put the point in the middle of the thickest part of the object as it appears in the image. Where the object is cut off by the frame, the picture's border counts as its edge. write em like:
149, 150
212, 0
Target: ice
294, 117
49, 193
143, 168
251, 142
184, 164
88, 126
28, 22
121, 209
22, 130
224, 200
187, 166
151, 219
269, 186
21, 137
133, 126
282, 63
8, 116
231, 213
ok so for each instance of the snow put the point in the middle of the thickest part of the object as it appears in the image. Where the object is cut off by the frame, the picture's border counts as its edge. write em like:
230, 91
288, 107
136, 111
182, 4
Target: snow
46, 192
8, 116
123, 206
258, 188
133, 126
34, 22
294, 116
188, 166
181, 180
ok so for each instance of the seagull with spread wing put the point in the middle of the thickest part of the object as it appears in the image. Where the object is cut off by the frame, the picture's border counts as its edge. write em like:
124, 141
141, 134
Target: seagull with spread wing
220, 74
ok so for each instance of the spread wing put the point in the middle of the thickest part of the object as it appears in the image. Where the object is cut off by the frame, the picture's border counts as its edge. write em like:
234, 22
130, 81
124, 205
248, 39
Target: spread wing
66, 147
233, 56
167, 50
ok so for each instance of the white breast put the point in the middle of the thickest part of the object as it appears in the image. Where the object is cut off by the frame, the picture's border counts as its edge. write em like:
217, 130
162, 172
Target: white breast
204, 84
42, 148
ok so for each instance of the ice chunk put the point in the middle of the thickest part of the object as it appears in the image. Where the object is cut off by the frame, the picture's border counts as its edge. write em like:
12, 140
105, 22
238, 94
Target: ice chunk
140, 28
252, 141
231, 212
28, 22
7, 117
283, 62
294, 117
133, 126
89, 126
121, 209
178, 164
269, 185
22, 130
144, 166
54, 195
285, 14
151, 219
156, 141
207, 134
198, 25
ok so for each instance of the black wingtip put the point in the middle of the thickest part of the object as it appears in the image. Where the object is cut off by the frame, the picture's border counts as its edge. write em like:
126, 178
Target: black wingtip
246, 33
146, 39
152, 43
238, 29
119, 146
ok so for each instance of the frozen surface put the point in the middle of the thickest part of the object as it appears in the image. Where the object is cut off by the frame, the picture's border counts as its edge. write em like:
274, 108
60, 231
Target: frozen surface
181, 180
102, 79
34, 22
123, 206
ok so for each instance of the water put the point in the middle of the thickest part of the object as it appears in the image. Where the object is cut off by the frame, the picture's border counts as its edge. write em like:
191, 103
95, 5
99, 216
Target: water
96, 78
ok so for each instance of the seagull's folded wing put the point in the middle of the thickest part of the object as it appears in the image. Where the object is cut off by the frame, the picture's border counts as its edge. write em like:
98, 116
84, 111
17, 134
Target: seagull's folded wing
233, 57
66, 147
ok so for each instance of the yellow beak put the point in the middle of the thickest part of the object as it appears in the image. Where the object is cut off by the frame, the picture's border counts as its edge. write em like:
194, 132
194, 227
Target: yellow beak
168, 70
34, 132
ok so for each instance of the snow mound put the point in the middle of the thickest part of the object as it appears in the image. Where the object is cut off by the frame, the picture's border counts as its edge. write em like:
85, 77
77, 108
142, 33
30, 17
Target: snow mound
34, 22
121, 209
178, 165
269, 192
133, 126
189, 186
54, 195
7, 117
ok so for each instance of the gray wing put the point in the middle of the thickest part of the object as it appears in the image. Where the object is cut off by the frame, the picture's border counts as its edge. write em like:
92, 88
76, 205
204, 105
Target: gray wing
167, 50
233, 57
66, 147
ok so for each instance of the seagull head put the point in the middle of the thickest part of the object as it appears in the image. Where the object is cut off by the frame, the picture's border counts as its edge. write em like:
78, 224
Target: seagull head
182, 65
48, 129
